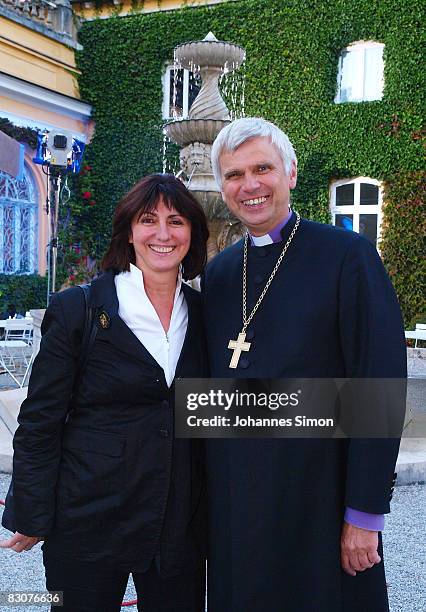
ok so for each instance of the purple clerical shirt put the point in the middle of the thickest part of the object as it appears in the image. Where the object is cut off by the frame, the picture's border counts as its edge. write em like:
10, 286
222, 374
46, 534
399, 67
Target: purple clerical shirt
365, 520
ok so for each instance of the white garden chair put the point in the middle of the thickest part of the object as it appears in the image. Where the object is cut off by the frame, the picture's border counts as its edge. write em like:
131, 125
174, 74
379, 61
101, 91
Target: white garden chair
417, 334
15, 349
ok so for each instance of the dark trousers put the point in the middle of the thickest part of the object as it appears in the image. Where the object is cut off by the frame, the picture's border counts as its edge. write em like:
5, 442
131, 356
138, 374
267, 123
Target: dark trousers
98, 587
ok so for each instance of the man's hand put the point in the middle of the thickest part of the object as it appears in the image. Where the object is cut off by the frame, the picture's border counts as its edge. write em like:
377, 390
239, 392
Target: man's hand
358, 549
20, 542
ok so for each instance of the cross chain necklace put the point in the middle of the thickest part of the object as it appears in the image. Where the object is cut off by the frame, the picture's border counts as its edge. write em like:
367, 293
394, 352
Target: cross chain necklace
240, 344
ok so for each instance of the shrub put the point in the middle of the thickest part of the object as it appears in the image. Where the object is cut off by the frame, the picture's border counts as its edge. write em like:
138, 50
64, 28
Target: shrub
24, 291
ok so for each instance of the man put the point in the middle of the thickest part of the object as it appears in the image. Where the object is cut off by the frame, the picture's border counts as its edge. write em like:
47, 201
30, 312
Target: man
294, 523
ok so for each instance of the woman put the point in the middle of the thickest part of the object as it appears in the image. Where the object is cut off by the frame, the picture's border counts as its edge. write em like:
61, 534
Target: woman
98, 474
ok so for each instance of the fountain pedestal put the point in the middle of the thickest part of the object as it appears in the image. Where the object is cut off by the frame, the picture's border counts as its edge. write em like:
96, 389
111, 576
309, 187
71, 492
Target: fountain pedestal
207, 116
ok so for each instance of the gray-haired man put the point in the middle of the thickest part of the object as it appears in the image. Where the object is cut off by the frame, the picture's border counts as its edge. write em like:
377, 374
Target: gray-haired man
294, 524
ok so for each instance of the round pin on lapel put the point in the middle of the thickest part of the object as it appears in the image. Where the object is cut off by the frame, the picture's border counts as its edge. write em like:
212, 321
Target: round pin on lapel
104, 320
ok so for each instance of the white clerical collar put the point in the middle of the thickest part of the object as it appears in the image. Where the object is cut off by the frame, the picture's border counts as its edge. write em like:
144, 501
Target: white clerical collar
273, 236
261, 240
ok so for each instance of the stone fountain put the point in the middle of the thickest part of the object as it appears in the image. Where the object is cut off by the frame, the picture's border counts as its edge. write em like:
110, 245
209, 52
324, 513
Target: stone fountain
210, 58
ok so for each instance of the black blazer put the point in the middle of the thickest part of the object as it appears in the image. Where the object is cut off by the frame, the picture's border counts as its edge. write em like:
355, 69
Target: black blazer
97, 471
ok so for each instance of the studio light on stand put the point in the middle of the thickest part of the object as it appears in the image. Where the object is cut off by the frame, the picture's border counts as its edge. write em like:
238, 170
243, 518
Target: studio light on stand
60, 154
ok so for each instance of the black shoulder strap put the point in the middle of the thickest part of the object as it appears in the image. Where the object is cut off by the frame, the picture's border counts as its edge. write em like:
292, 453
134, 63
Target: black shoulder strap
89, 332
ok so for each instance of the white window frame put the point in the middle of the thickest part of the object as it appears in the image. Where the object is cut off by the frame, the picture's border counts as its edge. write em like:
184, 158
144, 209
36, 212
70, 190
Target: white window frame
166, 92
358, 209
360, 96
17, 204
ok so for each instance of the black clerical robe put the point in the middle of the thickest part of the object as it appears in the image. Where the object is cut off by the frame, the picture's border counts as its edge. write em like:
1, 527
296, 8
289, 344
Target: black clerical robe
277, 505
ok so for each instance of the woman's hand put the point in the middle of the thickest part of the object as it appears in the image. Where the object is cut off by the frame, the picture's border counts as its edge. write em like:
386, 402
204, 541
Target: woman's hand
20, 542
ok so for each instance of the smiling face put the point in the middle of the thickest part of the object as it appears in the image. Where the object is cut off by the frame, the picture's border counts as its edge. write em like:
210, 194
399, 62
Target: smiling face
255, 186
161, 239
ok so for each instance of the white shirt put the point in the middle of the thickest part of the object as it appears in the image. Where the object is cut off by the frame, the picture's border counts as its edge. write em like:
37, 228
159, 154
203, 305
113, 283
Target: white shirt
138, 313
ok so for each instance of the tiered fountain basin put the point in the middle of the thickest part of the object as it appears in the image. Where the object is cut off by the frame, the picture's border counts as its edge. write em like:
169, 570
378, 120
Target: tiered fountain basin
210, 53
185, 131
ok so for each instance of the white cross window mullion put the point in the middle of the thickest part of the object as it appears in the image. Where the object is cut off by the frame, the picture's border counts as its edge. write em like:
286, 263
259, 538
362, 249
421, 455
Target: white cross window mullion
185, 92
362, 81
17, 236
356, 207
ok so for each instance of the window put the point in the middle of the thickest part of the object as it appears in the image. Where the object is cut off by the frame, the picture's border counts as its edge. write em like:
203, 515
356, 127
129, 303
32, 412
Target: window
18, 225
180, 87
360, 74
356, 204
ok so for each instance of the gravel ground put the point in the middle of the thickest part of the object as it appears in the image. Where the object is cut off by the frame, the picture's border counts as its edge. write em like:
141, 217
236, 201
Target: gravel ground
404, 547
404, 539
25, 571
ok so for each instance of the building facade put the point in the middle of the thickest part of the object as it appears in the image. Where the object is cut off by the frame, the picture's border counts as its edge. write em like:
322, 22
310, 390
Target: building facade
342, 79
38, 89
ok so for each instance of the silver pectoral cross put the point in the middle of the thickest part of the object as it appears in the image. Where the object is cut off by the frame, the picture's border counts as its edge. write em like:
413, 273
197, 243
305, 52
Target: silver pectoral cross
238, 346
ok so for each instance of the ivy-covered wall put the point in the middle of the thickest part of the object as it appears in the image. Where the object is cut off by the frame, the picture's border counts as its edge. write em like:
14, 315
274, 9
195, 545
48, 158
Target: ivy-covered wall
291, 73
